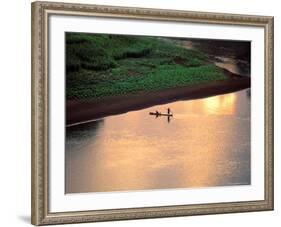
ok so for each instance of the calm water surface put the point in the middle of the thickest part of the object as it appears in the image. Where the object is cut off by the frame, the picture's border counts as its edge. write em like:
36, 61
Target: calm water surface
205, 144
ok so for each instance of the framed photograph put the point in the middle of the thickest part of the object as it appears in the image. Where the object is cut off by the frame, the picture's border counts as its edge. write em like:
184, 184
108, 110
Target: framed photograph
146, 113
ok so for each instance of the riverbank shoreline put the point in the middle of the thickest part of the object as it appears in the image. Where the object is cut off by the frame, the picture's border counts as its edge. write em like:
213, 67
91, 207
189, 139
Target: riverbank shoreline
78, 111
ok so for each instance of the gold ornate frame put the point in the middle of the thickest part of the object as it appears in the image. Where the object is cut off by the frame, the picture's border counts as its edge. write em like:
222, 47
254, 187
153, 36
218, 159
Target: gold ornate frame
40, 191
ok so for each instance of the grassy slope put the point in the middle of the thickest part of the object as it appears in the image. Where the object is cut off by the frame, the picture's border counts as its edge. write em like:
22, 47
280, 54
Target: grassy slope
109, 65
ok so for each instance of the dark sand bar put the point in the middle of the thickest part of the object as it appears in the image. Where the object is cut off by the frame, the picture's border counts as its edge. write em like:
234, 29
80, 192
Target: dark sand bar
86, 110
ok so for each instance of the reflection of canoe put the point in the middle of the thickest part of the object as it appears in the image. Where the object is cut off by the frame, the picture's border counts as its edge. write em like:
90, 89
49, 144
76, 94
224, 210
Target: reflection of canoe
160, 114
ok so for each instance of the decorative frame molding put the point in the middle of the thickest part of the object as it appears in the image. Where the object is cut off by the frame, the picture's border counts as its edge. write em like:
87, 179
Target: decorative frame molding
40, 99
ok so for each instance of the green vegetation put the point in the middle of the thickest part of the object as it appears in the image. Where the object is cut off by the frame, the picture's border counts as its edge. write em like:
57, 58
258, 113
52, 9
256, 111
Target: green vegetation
108, 65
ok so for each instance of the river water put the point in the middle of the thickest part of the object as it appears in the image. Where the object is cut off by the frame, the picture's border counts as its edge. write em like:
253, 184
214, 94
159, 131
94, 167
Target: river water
205, 144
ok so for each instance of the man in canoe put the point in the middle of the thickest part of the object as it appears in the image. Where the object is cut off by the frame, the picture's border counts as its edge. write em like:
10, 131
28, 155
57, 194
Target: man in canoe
168, 110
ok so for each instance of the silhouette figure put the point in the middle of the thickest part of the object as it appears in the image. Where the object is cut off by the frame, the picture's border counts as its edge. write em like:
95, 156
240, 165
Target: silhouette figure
168, 110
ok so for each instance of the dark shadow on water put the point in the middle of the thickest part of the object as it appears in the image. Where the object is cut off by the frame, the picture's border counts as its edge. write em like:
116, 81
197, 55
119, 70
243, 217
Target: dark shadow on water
77, 139
248, 93
25, 218
168, 119
84, 131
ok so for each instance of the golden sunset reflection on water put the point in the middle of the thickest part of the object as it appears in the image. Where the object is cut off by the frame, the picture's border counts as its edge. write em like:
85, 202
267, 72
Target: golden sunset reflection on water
205, 144
220, 104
